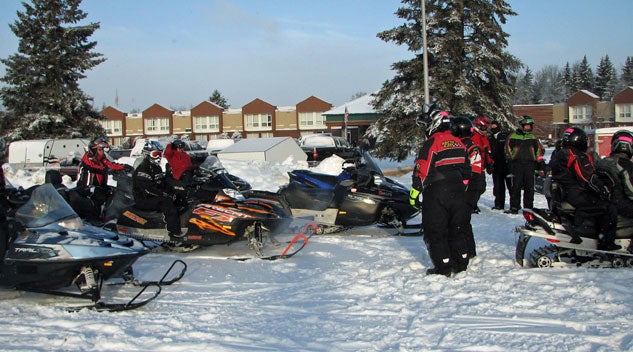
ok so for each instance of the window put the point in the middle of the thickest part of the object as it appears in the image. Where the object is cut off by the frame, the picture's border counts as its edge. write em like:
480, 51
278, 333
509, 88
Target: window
625, 111
580, 112
256, 122
156, 125
311, 120
114, 127
206, 124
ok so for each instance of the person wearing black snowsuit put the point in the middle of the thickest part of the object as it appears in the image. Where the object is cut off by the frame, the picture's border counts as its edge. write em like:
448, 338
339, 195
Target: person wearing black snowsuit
441, 174
500, 180
619, 167
150, 190
525, 155
573, 169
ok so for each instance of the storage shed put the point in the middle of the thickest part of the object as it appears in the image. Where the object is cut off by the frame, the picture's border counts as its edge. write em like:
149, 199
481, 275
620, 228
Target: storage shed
269, 149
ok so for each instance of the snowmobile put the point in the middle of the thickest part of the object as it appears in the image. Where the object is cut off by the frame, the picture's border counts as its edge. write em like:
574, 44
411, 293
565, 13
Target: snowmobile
572, 240
213, 212
360, 195
51, 250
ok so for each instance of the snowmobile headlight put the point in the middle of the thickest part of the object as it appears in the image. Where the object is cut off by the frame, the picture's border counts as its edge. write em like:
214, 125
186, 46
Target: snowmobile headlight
233, 193
72, 224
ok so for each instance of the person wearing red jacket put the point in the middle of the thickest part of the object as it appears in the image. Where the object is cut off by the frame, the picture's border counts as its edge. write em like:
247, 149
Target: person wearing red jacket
94, 168
179, 161
480, 138
441, 173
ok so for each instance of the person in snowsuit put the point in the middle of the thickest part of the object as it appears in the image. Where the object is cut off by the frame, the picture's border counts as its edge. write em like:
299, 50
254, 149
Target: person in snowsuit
619, 167
95, 165
477, 184
462, 128
500, 180
573, 169
525, 155
180, 173
441, 174
151, 192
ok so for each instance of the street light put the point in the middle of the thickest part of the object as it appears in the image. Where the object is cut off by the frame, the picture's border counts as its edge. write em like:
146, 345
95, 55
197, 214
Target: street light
425, 61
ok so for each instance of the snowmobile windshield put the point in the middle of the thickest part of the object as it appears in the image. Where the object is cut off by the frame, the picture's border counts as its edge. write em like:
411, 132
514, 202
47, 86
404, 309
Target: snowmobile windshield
212, 164
367, 161
45, 207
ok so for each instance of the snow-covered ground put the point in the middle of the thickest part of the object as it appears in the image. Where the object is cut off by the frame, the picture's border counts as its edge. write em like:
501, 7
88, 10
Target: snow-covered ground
362, 290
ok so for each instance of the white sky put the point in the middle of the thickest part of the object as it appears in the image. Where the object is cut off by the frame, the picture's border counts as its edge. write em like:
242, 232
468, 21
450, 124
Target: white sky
283, 51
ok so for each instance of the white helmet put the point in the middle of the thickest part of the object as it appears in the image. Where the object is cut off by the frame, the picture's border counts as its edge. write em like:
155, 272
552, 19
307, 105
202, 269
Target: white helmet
440, 121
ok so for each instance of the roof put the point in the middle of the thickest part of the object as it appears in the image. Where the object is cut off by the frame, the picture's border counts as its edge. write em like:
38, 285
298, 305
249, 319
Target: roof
590, 93
357, 106
254, 144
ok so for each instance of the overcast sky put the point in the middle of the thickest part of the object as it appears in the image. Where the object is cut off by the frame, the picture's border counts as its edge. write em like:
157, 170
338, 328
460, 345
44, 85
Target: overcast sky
176, 53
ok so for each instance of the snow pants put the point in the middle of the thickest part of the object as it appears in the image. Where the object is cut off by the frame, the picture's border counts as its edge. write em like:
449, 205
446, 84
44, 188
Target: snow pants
166, 206
522, 180
501, 183
446, 224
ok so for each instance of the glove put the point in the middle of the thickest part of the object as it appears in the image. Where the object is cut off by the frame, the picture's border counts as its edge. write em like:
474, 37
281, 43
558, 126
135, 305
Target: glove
414, 198
490, 168
128, 168
599, 187
170, 196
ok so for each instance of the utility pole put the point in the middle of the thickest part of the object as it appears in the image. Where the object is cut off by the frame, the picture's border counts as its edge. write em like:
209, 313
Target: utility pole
425, 60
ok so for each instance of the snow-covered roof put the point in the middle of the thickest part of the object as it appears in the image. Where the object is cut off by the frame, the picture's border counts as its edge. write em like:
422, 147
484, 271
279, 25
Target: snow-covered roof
254, 144
182, 113
286, 108
357, 106
590, 93
233, 110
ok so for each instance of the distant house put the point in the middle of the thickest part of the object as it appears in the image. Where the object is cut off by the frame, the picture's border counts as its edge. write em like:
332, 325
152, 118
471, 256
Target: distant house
624, 106
360, 116
157, 121
581, 108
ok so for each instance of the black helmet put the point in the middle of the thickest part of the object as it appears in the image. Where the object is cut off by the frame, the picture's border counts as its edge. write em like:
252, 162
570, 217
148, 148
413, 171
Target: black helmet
461, 126
99, 143
622, 142
575, 137
178, 143
152, 150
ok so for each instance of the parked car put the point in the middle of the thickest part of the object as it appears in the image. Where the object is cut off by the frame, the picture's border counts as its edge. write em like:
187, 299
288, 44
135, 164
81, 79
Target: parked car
320, 146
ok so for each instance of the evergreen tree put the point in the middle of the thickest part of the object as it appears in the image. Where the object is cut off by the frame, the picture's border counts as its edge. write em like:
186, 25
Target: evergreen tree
469, 68
606, 79
568, 81
42, 93
218, 99
584, 75
627, 72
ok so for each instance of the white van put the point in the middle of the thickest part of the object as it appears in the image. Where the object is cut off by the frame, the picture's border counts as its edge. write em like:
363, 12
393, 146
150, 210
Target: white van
62, 154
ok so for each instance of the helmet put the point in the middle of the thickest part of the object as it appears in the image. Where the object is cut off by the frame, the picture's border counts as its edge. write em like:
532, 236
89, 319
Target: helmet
527, 120
495, 126
461, 126
481, 123
99, 143
178, 143
440, 121
153, 151
622, 142
575, 137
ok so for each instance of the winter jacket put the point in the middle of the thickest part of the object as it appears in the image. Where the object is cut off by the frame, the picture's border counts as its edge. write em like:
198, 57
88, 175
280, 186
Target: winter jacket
148, 180
94, 169
178, 160
475, 156
620, 168
442, 158
572, 169
497, 151
523, 147
484, 147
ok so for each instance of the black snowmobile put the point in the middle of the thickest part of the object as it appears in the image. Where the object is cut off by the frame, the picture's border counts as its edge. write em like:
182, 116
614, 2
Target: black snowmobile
214, 211
571, 240
360, 195
51, 250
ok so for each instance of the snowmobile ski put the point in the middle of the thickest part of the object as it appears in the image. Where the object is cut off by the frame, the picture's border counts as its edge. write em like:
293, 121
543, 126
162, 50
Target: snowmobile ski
294, 246
134, 303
